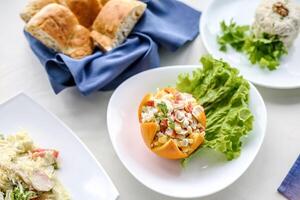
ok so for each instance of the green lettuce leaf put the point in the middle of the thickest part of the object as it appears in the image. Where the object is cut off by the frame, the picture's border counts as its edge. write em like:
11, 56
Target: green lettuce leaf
225, 97
232, 35
265, 50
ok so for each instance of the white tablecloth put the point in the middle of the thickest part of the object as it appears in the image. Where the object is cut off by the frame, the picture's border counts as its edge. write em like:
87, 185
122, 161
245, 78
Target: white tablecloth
20, 71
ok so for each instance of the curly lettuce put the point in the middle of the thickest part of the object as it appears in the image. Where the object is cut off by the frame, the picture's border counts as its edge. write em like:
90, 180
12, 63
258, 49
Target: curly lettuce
225, 96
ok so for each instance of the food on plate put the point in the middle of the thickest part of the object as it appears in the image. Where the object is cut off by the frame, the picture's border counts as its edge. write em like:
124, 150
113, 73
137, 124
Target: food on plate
115, 21
208, 109
275, 27
27, 171
73, 27
265, 50
172, 123
278, 17
224, 94
57, 28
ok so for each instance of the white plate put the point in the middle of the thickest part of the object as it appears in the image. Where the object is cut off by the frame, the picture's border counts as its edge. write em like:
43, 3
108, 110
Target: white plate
80, 173
206, 175
242, 11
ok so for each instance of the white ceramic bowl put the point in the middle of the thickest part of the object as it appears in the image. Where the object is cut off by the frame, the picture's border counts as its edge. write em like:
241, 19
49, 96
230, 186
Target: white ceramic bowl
208, 174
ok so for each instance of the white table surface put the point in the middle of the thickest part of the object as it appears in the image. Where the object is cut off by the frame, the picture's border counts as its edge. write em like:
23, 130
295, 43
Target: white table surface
20, 71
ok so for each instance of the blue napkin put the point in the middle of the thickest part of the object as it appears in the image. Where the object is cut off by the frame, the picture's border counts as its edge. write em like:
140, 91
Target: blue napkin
166, 23
290, 187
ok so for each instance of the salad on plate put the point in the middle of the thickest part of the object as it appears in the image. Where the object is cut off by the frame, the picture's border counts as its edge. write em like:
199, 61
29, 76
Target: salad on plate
208, 109
276, 26
27, 171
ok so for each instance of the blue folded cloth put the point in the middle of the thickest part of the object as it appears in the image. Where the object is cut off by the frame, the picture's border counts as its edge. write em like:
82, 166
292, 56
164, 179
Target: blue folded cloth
290, 186
166, 23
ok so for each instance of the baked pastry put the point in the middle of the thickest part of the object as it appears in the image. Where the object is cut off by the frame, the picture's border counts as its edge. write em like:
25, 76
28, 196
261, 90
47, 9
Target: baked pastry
58, 28
85, 10
34, 6
172, 123
103, 2
58, 25
115, 21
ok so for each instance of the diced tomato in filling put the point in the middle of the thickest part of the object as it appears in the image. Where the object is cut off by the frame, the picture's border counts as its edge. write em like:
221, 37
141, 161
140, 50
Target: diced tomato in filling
42, 152
150, 103
173, 134
163, 125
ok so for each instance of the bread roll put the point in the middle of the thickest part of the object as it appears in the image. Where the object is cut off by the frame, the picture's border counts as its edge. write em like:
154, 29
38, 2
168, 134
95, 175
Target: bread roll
115, 21
85, 10
58, 28
34, 6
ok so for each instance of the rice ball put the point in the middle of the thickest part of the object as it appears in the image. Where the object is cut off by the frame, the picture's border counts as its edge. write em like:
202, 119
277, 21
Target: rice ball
278, 17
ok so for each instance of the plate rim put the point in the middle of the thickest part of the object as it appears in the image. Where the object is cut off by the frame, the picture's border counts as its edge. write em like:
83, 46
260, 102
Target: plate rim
204, 18
70, 131
264, 128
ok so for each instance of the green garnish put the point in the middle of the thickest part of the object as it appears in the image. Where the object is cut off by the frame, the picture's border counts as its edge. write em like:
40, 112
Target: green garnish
55, 165
233, 35
163, 108
224, 95
171, 123
265, 51
19, 193
159, 117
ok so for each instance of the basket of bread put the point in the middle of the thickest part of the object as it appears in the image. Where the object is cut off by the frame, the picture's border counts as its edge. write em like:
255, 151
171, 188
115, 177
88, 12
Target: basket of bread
75, 27
97, 44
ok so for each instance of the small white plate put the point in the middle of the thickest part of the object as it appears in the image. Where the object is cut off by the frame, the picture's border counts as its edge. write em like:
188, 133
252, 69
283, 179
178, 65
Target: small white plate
242, 11
80, 173
203, 176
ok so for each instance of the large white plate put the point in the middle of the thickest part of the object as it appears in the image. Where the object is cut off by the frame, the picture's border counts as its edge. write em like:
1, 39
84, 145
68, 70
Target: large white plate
242, 11
80, 173
206, 175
